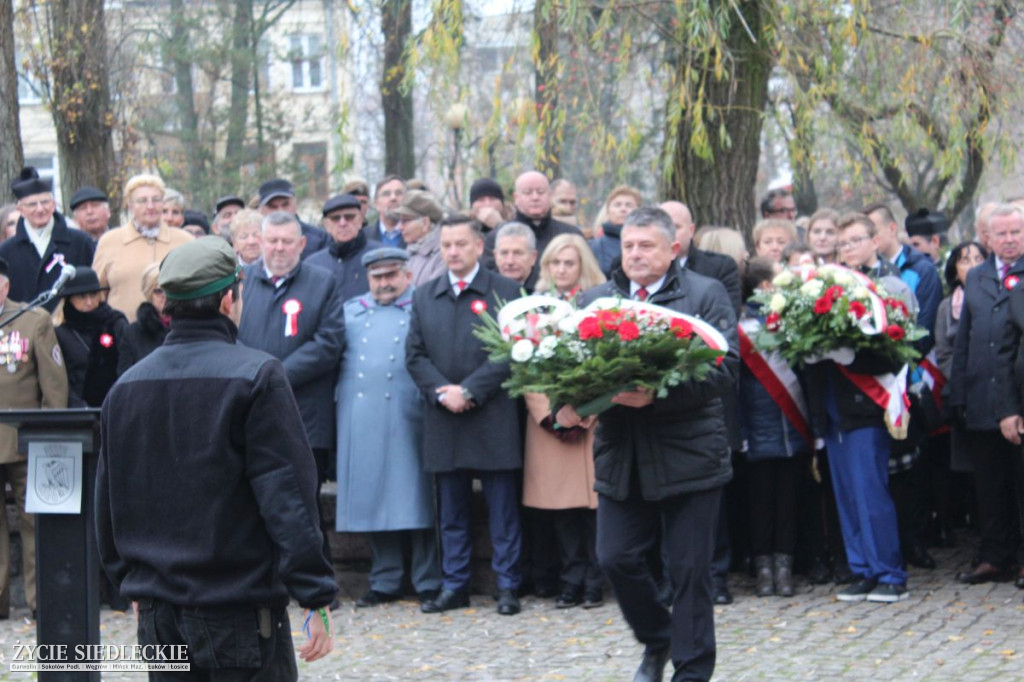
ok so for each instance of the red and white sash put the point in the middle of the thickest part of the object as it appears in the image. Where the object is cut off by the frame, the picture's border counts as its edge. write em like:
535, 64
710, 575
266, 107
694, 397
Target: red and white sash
778, 379
888, 391
935, 380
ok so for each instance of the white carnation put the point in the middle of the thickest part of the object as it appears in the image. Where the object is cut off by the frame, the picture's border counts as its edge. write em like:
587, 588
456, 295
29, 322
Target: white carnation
546, 348
812, 288
778, 303
860, 293
783, 279
522, 350
843, 278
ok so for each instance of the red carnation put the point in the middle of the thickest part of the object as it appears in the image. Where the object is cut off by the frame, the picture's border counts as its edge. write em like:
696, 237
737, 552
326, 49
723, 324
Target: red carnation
610, 319
682, 328
834, 292
718, 360
858, 309
628, 331
773, 322
895, 332
478, 306
822, 305
590, 328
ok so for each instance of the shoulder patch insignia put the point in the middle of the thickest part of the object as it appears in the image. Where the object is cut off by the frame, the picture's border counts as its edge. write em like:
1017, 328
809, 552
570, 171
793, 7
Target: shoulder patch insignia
57, 357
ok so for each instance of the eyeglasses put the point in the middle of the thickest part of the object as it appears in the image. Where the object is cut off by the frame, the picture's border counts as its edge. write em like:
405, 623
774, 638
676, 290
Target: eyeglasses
787, 210
852, 243
342, 217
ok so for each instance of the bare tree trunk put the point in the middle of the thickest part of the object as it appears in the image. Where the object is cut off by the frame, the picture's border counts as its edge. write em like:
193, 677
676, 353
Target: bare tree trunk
720, 190
184, 98
549, 147
11, 157
243, 70
80, 95
396, 23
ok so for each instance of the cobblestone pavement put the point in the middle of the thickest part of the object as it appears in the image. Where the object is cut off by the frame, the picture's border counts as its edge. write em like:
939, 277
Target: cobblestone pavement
944, 631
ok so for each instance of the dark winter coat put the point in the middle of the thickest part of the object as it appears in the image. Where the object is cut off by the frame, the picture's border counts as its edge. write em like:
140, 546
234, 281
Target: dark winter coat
311, 357
90, 343
918, 271
317, 239
28, 272
442, 350
679, 443
972, 385
205, 486
343, 259
142, 337
608, 248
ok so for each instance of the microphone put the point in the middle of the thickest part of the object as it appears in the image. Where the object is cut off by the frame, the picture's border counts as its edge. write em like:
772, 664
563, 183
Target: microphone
67, 272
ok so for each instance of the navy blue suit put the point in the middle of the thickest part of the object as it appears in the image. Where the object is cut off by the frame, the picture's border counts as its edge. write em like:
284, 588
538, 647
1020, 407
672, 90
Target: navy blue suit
29, 273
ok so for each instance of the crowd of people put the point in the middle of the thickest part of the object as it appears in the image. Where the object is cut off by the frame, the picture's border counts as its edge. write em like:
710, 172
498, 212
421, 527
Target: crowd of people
372, 321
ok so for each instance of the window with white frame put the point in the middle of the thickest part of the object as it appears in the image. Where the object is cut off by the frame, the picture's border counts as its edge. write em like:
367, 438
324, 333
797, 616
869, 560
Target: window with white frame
306, 54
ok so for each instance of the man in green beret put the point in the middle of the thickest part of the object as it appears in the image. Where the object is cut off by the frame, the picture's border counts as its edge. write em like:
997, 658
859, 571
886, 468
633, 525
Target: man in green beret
206, 487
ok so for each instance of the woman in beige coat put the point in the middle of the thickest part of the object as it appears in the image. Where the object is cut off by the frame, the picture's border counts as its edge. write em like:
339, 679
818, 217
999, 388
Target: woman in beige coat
123, 254
558, 468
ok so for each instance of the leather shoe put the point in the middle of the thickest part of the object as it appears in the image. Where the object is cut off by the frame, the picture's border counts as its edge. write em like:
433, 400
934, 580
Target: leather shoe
919, 557
446, 601
1019, 582
427, 595
572, 595
375, 598
720, 594
508, 603
652, 667
593, 597
983, 573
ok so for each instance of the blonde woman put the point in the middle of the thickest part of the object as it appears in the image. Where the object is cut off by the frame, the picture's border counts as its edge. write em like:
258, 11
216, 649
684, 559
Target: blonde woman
123, 254
247, 235
567, 267
726, 241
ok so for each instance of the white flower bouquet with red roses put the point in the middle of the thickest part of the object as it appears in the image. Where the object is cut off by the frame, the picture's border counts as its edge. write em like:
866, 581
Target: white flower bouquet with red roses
833, 312
584, 357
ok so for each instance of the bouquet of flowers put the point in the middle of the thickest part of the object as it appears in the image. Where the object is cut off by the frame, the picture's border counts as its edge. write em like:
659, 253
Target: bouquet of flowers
585, 357
834, 312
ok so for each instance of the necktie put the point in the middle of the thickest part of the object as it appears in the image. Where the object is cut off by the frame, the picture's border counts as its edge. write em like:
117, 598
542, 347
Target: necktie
275, 279
1004, 271
641, 294
461, 284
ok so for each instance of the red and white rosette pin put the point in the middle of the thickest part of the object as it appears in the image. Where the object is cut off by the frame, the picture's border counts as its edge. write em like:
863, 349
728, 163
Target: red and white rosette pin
106, 340
1011, 282
478, 306
291, 309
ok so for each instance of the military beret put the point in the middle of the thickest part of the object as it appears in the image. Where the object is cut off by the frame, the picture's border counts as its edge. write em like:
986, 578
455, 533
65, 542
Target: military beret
272, 189
28, 183
341, 201
4, 268
418, 204
925, 223
229, 200
199, 268
378, 259
485, 187
87, 193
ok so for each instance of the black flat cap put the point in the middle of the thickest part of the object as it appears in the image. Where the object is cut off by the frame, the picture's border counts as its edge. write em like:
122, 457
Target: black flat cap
229, 200
341, 201
485, 187
272, 189
87, 193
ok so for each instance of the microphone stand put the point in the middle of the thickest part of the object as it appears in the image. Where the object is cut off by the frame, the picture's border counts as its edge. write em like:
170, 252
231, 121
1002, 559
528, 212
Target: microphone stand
41, 299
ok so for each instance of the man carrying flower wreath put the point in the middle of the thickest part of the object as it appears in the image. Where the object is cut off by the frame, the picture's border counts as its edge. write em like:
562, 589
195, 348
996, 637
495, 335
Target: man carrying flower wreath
662, 462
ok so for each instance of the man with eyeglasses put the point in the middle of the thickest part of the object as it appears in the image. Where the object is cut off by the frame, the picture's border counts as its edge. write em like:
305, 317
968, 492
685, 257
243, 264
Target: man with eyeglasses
778, 203
386, 198
43, 243
343, 221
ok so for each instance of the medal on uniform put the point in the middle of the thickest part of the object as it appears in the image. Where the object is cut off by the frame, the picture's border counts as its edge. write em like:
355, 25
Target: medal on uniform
13, 350
291, 310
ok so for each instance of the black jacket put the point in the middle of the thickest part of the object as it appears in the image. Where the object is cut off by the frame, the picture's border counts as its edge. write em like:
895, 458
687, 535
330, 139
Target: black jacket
344, 261
28, 273
142, 337
206, 486
90, 343
717, 266
679, 443
973, 385
316, 239
312, 355
544, 230
441, 349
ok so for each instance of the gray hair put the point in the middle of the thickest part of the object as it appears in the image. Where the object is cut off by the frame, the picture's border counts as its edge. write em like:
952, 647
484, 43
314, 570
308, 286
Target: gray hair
515, 229
278, 218
1005, 210
175, 197
652, 216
